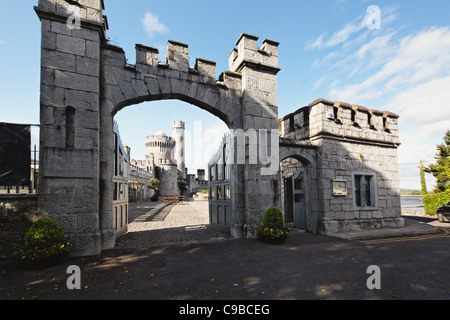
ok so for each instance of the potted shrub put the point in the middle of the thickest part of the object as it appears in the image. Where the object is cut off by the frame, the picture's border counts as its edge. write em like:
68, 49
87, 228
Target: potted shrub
45, 244
273, 229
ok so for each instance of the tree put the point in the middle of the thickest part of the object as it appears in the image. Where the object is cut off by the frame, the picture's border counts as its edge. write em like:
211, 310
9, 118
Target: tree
441, 170
153, 183
422, 179
182, 186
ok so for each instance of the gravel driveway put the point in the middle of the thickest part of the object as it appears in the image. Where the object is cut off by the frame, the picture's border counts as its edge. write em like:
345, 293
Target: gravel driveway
159, 223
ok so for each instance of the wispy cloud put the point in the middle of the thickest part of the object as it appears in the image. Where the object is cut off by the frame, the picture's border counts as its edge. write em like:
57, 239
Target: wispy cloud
411, 77
4, 43
357, 26
411, 62
152, 25
408, 75
337, 38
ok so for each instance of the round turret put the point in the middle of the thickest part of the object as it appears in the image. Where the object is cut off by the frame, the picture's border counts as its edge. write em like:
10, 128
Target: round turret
161, 146
178, 129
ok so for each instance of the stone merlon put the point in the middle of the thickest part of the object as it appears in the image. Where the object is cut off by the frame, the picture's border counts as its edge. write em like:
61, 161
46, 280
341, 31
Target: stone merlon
248, 53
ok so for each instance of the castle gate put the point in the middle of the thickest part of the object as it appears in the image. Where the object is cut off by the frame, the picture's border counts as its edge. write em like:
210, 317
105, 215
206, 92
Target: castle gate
85, 81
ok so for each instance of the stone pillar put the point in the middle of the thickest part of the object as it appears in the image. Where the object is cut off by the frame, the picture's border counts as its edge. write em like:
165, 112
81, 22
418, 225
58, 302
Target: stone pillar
259, 68
69, 118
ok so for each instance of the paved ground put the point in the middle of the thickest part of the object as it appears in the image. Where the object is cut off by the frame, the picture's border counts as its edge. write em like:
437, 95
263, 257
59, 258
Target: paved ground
203, 265
151, 224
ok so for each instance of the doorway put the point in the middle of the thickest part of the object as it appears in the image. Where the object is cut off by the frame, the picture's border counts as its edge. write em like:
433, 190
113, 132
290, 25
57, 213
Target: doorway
294, 174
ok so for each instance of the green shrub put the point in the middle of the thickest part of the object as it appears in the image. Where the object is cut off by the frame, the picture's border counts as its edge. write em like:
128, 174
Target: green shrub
273, 229
44, 240
432, 201
273, 218
44, 233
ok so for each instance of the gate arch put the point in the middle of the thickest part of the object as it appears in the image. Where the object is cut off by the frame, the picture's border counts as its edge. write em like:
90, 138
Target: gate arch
80, 69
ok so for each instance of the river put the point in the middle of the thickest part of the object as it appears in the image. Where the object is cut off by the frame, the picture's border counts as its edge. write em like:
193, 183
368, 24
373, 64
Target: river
412, 203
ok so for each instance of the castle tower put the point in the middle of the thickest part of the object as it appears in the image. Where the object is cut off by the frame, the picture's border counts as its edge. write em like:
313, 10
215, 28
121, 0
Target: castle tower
179, 156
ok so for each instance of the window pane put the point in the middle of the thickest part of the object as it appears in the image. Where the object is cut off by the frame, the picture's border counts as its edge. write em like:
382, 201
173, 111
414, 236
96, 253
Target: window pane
219, 193
299, 198
212, 173
298, 183
227, 193
212, 193
358, 190
368, 193
219, 172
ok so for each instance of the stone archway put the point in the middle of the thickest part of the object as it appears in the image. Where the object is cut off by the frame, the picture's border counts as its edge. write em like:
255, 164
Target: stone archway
85, 81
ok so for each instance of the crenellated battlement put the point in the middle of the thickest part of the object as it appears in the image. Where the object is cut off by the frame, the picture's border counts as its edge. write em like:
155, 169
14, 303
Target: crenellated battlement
248, 52
178, 124
177, 58
341, 120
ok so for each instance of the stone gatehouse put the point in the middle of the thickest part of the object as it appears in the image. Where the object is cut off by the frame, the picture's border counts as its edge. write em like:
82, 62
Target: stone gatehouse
344, 174
339, 168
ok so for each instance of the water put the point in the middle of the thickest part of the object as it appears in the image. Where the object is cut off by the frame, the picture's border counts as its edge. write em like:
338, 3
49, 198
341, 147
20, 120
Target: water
412, 203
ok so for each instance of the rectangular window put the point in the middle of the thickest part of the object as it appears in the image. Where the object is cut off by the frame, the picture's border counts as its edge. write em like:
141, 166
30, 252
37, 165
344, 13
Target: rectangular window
212, 193
364, 190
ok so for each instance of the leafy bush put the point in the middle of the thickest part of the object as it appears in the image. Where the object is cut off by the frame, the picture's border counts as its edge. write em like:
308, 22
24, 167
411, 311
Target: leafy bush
44, 240
273, 229
432, 201
273, 218
153, 183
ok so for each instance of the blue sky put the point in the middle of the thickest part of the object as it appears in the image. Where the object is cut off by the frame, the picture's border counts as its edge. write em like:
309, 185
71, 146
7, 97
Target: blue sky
327, 50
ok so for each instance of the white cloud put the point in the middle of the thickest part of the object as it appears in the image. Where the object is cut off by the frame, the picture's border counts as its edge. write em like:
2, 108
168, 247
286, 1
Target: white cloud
337, 38
405, 67
152, 25
342, 36
4, 43
409, 76
424, 104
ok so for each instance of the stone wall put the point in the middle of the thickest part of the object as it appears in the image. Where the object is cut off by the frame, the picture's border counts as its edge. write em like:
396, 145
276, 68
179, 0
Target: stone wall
340, 162
168, 177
